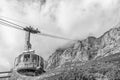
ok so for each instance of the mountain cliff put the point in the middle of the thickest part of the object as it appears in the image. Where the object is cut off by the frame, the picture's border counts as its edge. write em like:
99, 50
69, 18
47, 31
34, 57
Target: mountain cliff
87, 49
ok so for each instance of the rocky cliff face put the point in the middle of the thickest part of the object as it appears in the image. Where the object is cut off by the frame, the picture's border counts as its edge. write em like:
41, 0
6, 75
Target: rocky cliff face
87, 49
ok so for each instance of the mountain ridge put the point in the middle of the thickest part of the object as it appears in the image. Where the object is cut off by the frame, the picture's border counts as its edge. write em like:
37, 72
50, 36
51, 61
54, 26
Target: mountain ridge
87, 49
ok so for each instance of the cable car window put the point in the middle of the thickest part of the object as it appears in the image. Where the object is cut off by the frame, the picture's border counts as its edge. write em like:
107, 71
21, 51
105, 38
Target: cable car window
38, 61
41, 62
26, 57
21, 59
34, 58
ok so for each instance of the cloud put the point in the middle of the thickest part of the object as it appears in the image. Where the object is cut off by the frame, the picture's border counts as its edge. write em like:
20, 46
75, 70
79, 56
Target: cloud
82, 17
4, 64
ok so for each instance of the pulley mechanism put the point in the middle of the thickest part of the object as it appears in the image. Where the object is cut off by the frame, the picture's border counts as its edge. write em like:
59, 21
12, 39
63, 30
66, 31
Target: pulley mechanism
28, 31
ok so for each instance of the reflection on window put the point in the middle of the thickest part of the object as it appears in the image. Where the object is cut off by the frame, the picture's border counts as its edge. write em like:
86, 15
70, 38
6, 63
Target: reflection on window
26, 57
34, 58
21, 59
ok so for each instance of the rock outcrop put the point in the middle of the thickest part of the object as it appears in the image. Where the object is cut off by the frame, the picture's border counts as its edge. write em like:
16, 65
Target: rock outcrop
87, 49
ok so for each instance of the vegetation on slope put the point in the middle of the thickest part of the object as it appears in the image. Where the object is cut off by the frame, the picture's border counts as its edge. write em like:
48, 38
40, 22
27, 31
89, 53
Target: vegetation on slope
107, 68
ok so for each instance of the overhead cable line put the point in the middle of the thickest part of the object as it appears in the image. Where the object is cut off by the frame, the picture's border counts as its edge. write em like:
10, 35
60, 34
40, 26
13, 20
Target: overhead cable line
5, 76
5, 72
32, 30
11, 23
15, 20
50, 35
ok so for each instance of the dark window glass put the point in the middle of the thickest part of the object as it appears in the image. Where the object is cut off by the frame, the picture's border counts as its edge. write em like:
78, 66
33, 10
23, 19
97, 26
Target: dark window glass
26, 57
34, 58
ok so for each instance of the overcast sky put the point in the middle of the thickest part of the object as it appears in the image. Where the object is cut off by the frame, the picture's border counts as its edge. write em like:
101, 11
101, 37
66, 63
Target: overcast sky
75, 19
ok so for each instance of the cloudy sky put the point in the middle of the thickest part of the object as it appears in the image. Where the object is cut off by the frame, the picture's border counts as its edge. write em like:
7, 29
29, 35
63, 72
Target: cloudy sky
75, 19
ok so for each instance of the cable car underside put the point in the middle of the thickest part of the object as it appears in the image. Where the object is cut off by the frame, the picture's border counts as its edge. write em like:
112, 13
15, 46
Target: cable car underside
30, 72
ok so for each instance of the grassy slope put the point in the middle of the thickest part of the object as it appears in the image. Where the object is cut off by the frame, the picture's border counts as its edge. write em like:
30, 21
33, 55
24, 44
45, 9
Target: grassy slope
107, 68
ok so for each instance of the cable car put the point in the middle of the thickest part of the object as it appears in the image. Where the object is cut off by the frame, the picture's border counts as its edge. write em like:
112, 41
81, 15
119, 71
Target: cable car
29, 64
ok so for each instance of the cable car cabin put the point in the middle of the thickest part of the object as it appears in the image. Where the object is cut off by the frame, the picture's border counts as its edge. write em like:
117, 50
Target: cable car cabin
29, 64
